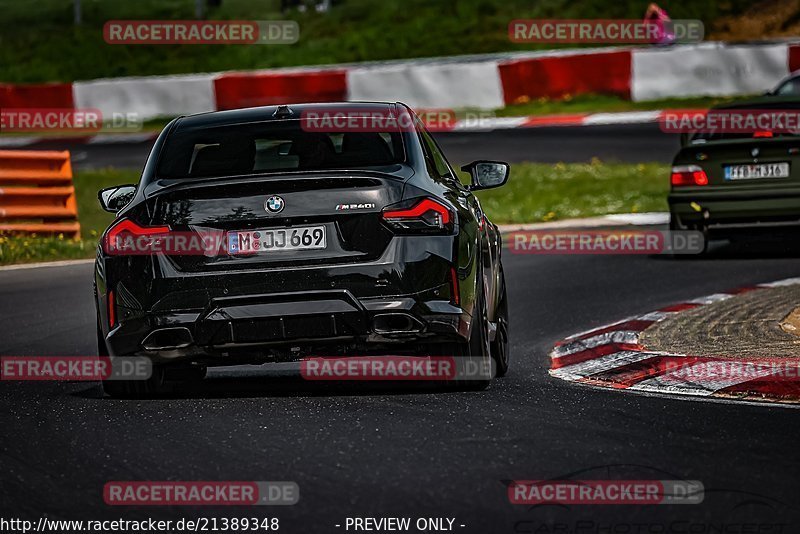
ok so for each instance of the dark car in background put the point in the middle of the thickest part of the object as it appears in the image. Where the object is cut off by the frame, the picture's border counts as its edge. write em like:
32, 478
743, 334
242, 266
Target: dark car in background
732, 184
338, 243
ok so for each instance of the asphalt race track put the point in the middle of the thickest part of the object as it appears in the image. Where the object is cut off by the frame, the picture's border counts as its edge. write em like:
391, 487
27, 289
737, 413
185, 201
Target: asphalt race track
632, 143
367, 451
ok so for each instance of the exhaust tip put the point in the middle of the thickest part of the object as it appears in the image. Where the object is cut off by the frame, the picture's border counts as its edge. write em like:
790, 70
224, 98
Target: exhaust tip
168, 339
396, 323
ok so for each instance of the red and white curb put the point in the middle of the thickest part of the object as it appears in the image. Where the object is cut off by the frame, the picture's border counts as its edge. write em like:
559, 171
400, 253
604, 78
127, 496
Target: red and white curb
563, 119
612, 356
469, 125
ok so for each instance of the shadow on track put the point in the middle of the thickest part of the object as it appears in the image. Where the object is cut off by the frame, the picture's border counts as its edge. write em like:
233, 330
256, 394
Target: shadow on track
751, 246
261, 382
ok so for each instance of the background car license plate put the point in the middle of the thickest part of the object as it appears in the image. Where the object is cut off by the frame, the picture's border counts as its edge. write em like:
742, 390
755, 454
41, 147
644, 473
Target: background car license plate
757, 170
276, 240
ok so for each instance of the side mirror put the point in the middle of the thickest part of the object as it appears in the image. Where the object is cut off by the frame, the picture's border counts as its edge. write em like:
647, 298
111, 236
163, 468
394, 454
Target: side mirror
113, 199
487, 174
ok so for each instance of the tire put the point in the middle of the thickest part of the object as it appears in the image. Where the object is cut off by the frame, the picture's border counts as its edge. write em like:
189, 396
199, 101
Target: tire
706, 240
132, 389
102, 348
474, 353
499, 347
674, 226
154, 386
478, 353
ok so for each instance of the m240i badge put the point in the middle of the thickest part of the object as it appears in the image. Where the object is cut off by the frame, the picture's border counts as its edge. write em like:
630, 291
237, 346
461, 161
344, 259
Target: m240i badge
367, 206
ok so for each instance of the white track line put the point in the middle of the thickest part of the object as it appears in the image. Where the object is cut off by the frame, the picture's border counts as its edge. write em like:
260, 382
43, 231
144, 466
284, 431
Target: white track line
64, 263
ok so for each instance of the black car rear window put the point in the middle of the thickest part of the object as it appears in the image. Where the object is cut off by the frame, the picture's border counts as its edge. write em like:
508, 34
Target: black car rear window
274, 146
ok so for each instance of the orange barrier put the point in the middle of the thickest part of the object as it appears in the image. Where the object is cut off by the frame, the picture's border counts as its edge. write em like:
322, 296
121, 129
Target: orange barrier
41, 198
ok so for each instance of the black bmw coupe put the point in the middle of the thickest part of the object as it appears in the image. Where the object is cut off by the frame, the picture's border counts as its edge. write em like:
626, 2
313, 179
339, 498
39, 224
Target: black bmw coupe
257, 236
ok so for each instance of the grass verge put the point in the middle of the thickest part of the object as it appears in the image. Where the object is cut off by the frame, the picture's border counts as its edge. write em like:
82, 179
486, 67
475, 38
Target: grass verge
606, 104
536, 192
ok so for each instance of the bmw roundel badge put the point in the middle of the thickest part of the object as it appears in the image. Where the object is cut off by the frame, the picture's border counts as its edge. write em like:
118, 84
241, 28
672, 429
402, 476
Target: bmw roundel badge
274, 204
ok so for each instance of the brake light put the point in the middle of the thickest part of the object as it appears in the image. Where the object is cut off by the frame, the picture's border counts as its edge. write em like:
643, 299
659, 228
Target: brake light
763, 133
688, 175
126, 235
427, 215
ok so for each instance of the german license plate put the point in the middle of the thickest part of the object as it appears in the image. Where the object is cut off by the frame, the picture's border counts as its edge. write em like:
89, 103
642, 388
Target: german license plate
757, 170
277, 240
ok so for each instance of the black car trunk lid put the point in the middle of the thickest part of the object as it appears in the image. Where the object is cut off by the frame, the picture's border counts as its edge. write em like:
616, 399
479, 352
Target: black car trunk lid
262, 218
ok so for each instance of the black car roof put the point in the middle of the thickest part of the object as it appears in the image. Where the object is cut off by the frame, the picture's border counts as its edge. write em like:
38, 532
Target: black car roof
267, 113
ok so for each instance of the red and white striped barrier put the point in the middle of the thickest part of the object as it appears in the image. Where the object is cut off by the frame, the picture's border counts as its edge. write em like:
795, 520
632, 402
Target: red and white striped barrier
707, 69
483, 82
612, 356
265, 88
45, 95
433, 86
597, 72
147, 96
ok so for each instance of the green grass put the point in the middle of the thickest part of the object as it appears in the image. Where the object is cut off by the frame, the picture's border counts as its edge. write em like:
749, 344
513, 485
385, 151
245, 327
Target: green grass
32, 249
39, 43
535, 192
607, 103
538, 192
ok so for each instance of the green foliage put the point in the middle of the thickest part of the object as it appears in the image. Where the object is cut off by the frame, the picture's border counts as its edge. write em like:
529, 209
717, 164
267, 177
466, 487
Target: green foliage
38, 41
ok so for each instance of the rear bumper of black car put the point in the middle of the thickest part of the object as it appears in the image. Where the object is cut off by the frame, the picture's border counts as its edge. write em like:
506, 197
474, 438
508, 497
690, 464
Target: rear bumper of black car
415, 293
729, 212
288, 325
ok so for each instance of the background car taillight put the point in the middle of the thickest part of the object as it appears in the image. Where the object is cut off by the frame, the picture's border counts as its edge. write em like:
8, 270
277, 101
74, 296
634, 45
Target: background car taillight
688, 175
419, 216
128, 237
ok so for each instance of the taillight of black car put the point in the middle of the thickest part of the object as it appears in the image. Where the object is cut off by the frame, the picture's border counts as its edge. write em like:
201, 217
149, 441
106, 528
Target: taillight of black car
127, 237
419, 216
